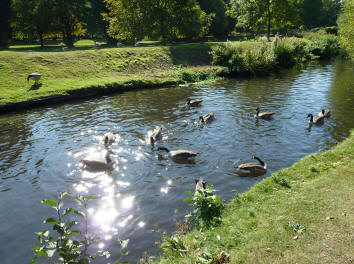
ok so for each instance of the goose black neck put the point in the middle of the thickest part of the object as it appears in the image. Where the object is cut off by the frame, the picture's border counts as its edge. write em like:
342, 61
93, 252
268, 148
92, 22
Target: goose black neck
163, 148
260, 161
105, 139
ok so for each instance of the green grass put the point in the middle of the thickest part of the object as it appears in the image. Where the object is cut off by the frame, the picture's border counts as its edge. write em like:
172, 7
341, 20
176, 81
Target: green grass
301, 214
87, 66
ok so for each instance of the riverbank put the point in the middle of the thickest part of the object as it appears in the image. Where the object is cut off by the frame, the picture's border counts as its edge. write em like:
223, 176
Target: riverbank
88, 71
81, 73
301, 214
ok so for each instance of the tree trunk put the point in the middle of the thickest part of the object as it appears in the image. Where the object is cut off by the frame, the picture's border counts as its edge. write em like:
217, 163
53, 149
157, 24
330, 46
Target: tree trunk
269, 19
68, 37
41, 39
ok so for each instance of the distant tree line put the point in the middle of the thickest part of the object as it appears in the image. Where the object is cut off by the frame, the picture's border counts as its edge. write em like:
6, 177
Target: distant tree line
165, 20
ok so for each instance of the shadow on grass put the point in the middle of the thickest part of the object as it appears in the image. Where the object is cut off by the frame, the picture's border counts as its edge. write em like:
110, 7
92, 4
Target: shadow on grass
35, 86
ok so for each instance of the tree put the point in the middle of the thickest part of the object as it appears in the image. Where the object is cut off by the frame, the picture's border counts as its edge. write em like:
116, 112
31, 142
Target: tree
219, 23
94, 19
254, 14
125, 20
68, 14
5, 29
33, 18
346, 27
173, 19
310, 12
329, 12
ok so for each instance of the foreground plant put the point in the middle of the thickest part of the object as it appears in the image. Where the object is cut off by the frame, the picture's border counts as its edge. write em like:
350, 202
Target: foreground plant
69, 244
208, 206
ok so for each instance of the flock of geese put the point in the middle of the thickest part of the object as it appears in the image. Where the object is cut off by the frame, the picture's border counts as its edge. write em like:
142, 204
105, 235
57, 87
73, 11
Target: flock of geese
245, 169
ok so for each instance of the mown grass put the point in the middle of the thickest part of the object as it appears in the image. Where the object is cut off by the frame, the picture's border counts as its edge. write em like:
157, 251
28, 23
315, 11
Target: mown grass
86, 66
301, 214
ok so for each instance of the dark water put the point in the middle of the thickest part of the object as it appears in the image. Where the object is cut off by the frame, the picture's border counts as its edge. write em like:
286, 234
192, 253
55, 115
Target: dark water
40, 151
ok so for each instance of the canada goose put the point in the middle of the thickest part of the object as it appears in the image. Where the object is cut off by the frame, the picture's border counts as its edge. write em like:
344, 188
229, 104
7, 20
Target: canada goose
193, 103
156, 134
34, 76
98, 163
325, 113
263, 115
317, 120
108, 139
180, 153
252, 169
207, 118
200, 184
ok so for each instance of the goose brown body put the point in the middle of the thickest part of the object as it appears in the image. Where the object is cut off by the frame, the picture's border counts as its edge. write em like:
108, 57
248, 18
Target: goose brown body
200, 184
98, 163
325, 113
207, 118
252, 169
156, 134
180, 153
193, 103
263, 115
317, 120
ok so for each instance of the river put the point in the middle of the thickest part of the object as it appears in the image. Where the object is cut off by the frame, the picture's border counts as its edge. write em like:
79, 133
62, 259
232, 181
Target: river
142, 197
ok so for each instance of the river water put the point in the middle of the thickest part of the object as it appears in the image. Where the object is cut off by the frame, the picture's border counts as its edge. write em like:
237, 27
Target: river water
142, 196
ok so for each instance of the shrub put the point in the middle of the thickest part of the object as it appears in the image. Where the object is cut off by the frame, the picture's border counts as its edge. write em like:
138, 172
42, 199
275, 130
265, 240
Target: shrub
290, 51
243, 62
208, 206
322, 45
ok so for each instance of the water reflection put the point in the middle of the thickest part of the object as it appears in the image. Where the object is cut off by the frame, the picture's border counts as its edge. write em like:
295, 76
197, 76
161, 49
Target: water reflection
40, 151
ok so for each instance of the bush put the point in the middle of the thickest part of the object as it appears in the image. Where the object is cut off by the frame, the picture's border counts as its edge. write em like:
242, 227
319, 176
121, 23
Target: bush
244, 62
322, 45
288, 52
208, 206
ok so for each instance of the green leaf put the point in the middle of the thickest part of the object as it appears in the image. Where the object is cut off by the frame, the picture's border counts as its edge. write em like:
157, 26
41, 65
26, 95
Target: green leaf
36, 248
49, 202
41, 253
80, 213
68, 210
190, 192
187, 200
89, 197
51, 221
34, 260
73, 233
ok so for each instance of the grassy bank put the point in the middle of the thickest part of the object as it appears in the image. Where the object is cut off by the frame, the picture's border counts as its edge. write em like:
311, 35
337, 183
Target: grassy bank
85, 67
301, 214
90, 71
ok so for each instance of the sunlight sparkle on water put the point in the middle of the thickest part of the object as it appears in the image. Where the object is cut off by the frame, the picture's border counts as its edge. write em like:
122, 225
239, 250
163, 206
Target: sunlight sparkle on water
128, 202
141, 224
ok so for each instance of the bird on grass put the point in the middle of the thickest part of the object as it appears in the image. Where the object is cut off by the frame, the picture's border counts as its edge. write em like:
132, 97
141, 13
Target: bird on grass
252, 169
34, 76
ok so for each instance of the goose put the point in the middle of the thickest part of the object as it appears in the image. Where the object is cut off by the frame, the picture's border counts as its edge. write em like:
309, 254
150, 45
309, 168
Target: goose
325, 113
317, 120
252, 169
108, 139
200, 184
98, 163
34, 76
207, 118
263, 115
193, 103
156, 134
180, 153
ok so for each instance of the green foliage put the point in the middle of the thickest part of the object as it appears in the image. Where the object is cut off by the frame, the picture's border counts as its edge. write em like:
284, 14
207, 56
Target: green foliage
288, 52
5, 30
173, 243
346, 27
69, 244
295, 226
244, 62
208, 206
281, 181
322, 45
209, 258
196, 76
216, 8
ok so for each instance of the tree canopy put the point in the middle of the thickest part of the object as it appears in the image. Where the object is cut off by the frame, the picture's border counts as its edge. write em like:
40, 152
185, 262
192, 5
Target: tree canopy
346, 27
